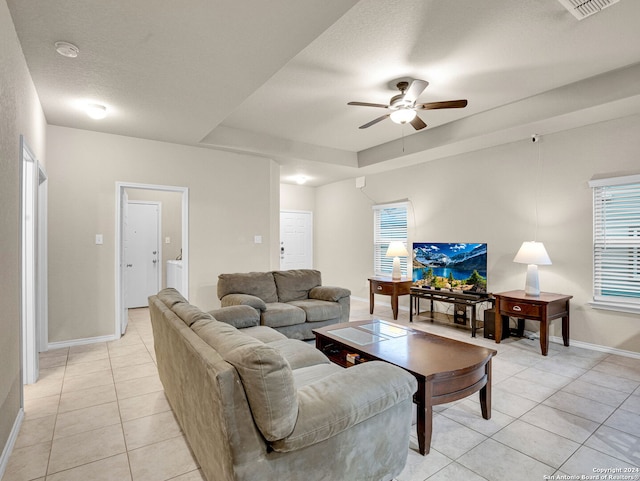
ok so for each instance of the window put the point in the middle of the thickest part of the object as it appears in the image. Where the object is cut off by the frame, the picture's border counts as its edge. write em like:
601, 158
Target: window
389, 224
616, 243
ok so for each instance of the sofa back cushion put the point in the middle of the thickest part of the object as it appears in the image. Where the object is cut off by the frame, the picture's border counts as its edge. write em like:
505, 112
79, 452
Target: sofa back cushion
222, 337
170, 297
190, 313
268, 383
295, 284
259, 284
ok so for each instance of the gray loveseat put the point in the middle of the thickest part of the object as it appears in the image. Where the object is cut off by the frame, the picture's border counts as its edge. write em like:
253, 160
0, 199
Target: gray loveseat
255, 405
294, 302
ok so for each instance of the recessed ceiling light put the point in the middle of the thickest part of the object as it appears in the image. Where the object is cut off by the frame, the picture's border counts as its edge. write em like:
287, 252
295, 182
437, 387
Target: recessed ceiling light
301, 179
96, 111
67, 49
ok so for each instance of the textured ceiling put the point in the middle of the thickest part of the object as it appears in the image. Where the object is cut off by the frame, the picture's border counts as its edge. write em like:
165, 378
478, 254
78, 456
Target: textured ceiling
274, 78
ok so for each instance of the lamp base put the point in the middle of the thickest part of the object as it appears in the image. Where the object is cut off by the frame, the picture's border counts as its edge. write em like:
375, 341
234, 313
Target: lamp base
532, 285
396, 274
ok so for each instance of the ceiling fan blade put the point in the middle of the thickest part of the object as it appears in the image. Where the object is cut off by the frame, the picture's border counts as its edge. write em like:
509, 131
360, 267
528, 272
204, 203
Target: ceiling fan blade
418, 123
374, 121
448, 104
367, 104
415, 89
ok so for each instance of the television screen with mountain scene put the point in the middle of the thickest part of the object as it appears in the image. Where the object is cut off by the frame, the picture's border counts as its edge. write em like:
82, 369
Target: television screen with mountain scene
456, 266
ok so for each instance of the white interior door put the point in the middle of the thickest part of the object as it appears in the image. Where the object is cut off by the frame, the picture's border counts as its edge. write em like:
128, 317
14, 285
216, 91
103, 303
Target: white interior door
296, 240
142, 252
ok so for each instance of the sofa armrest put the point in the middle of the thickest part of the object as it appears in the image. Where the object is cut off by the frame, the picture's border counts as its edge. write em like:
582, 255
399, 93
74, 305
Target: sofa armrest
342, 400
243, 300
238, 316
329, 293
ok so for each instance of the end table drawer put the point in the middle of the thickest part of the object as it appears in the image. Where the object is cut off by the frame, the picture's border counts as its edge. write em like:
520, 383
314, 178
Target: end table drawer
383, 288
520, 309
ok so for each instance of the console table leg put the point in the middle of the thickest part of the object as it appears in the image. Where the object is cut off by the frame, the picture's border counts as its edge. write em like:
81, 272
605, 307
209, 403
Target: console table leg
565, 329
544, 336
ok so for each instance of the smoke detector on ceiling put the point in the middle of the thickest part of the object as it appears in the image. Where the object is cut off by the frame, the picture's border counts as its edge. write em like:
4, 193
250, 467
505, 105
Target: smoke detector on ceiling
67, 49
585, 8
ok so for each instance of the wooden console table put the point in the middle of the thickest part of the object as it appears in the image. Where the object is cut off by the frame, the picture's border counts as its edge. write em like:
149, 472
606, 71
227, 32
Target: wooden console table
468, 300
388, 287
544, 308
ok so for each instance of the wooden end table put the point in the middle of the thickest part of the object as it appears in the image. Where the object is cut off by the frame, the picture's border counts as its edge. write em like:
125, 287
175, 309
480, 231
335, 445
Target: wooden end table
387, 286
543, 308
446, 369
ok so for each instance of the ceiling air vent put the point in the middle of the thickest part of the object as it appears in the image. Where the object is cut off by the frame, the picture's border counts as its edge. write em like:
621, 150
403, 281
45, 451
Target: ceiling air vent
585, 8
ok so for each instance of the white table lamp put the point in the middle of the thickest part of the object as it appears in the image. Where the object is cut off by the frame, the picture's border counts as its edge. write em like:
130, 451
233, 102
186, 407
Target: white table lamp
395, 250
533, 254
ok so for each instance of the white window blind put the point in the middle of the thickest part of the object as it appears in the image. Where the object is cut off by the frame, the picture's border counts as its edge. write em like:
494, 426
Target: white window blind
389, 224
616, 243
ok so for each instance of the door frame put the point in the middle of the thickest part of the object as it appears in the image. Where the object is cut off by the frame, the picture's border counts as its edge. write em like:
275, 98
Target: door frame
120, 317
159, 239
33, 263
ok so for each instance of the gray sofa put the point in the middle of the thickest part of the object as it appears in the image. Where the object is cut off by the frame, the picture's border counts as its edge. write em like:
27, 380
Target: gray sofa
293, 302
255, 405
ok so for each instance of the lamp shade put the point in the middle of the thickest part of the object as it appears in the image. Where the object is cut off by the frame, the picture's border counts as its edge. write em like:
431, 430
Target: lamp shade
532, 252
396, 248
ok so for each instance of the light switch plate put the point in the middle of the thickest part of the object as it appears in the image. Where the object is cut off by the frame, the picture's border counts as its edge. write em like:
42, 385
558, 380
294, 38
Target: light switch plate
99, 240
167, 240
257, 239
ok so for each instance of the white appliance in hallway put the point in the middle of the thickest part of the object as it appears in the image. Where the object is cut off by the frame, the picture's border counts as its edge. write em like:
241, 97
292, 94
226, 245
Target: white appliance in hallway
174, 275
142, 252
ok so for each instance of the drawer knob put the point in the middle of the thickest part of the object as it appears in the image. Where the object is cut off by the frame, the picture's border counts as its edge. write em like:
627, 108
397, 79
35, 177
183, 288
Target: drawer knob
379, 288
517, 308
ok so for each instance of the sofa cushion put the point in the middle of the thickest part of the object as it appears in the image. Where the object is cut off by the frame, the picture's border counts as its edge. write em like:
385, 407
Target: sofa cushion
170, 297
259, 284
319, 310
311, 374
295, 284
239, 317
264, 334
329, 293
189, 313
298, 353
280, 315
224, 338
268, 384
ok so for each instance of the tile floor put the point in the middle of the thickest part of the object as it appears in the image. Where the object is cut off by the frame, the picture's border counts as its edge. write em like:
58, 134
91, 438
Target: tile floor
98, 413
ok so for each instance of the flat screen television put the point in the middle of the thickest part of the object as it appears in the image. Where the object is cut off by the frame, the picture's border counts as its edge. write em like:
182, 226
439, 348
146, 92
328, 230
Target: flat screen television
455, 266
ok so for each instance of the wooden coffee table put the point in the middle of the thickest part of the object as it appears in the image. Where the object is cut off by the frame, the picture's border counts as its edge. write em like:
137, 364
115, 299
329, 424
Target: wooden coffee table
446, 370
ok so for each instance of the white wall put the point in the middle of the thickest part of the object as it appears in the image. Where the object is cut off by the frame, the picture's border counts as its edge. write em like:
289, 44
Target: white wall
20, 114
488, 196
231, 199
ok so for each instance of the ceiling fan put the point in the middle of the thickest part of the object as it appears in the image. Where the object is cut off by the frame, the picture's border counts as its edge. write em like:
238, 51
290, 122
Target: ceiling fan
404, 108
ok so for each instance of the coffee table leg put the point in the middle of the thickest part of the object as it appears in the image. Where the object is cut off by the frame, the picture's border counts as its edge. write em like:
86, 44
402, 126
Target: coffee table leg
424, 415
485, 394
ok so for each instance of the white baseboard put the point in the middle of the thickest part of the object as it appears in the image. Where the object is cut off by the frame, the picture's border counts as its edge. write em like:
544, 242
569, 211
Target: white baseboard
80, 342
8, 448
596, 347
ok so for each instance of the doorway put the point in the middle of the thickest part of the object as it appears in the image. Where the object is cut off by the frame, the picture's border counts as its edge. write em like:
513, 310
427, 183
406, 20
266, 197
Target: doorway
33, 262
296, 240
142, 252
122, 204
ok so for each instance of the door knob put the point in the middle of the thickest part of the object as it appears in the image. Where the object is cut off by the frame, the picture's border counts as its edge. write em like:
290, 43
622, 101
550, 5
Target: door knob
129, 265
155, 260
154, 252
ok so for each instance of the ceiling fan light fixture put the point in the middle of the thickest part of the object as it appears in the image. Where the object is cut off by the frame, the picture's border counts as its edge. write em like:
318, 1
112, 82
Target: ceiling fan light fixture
403, 115
96, 111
